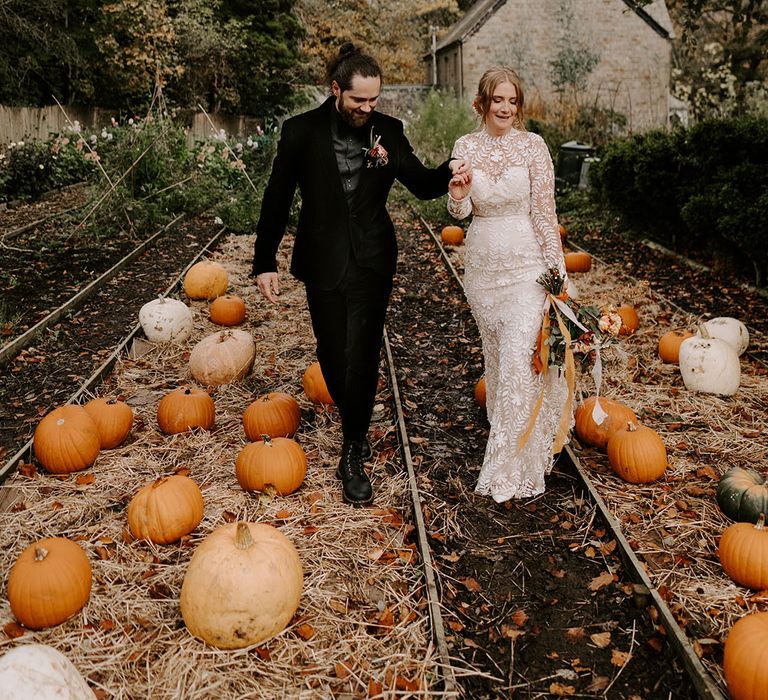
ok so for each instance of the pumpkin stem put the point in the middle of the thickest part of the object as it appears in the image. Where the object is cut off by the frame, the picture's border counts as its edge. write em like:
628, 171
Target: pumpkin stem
631, 427
703, 330
267, 440
40, 553
243, 538
760, 524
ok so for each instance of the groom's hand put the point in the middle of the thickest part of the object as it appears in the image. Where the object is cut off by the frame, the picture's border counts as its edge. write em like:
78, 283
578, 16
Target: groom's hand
269, 285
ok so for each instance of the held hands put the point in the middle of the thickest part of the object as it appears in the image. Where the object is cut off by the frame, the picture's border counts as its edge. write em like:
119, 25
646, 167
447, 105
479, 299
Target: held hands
269, 285
460, 184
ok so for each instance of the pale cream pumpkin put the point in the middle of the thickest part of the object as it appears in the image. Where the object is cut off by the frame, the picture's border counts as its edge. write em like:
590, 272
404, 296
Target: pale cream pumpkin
166, 320
242, 586
40, 672
729, 329
709, 365
223, 357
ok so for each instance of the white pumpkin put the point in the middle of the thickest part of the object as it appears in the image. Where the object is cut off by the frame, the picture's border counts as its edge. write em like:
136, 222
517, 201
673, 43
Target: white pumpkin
222, 357
166, 320
40, 672
731, 330
709, 365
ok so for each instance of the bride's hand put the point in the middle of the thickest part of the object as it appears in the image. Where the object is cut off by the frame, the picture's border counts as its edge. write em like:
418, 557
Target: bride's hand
460, 185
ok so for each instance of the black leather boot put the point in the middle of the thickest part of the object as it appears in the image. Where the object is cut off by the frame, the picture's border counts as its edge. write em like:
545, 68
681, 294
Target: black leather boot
365, 450
357, 488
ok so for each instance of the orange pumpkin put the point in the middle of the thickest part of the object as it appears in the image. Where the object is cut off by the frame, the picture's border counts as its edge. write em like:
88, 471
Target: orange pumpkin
594, 435
275, 414
166, 509
452, 235
113, 420
743, 553
205, 280
637, 453
480, 392
578, 261
185, 408
50, 582
227, 310
314, 385
745, 658
629, 320
669, 346
67, 440
280, 462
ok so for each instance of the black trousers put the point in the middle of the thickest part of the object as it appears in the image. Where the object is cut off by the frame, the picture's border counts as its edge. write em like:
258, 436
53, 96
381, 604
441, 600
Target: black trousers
348, 323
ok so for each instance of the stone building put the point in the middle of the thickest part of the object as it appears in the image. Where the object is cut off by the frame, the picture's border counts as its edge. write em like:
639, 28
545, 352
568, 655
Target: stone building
609, 54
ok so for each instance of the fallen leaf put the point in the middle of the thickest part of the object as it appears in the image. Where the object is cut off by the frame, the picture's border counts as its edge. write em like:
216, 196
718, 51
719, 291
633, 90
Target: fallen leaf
510, 632
561, 690
574, 633
601, 639
305, 631
85, 479
598, 683
519, 618
375, 554
708, 472
13, 630
341, 670
601, 581
619, 658
471, 584
27, 469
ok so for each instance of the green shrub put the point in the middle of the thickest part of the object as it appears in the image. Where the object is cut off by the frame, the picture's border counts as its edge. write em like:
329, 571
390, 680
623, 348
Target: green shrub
28, 169
439, 120
701, 191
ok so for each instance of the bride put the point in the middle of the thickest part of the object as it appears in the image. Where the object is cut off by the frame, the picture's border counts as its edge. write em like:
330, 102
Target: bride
512, 240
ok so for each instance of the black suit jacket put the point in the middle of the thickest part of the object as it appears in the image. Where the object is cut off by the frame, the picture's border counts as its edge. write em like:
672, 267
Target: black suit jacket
329, 229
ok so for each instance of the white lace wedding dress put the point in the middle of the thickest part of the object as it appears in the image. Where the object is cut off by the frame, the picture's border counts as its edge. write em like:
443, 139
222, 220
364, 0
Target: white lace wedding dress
513, 238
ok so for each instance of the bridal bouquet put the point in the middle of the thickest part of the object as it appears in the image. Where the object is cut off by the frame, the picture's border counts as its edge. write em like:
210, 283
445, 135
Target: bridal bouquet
571, 329
569, 333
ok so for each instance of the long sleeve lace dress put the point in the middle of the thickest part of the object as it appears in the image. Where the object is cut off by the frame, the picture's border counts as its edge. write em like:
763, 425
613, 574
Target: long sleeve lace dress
513, 238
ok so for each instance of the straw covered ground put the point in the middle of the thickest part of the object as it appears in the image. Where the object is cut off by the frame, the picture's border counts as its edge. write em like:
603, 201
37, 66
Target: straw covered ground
362, 625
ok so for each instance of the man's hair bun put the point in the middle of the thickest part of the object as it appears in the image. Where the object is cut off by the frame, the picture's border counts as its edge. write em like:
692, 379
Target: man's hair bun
348, 49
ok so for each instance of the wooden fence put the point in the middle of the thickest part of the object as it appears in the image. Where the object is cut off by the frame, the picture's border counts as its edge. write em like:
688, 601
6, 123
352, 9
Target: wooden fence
23, 123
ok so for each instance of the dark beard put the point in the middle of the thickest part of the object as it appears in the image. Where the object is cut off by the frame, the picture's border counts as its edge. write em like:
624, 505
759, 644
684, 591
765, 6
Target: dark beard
349, 118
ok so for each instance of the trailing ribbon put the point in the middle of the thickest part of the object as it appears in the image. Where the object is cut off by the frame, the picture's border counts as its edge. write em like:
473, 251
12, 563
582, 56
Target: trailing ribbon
541, 365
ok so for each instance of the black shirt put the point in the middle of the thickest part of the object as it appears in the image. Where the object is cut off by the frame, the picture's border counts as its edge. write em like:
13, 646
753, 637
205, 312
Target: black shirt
348, 144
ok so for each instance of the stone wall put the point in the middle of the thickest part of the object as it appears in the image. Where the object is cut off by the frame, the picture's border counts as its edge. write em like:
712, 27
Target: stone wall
632, 76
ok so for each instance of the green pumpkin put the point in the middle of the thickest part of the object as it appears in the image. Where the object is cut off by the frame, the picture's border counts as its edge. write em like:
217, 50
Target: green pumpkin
742, 495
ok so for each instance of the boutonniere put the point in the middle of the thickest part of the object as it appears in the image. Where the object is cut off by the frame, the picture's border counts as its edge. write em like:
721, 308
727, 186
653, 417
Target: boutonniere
375, 155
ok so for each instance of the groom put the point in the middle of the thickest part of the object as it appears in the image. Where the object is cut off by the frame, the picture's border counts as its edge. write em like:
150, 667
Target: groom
344, 157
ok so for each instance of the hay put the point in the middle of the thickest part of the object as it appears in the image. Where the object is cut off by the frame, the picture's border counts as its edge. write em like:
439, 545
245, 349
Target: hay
363, 617
674, 524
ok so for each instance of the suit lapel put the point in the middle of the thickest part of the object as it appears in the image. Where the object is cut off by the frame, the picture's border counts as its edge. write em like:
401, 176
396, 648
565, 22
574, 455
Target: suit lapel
326, 154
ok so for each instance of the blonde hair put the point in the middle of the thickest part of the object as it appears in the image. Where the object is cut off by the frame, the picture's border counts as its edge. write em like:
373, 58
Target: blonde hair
490, 80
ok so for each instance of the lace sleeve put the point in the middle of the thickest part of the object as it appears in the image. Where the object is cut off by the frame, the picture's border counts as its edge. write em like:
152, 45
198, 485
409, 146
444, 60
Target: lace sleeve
543, 213
459, 208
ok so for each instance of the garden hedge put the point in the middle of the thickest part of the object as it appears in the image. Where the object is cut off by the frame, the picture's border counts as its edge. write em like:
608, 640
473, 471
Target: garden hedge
701, 191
